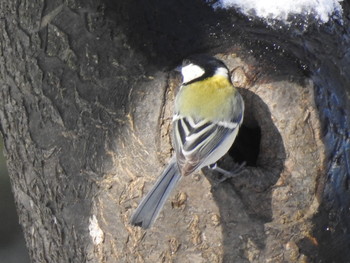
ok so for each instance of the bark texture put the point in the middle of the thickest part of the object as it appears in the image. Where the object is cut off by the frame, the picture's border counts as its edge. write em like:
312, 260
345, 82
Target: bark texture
85, 111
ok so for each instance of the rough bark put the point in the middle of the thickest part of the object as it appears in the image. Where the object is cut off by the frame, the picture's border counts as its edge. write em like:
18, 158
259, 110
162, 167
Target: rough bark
85, 111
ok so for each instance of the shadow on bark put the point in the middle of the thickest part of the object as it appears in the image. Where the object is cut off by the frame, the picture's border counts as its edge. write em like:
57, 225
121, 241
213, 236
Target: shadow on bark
167, 31
245, 201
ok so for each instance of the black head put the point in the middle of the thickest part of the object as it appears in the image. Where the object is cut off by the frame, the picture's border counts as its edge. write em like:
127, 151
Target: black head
200, 67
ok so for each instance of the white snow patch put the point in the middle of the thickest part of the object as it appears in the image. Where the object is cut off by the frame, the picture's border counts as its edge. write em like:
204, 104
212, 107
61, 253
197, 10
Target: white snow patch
322, 10
96, 232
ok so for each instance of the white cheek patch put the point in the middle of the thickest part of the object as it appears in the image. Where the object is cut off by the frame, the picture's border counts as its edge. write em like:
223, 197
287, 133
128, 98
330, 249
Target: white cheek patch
191, 72
221, 71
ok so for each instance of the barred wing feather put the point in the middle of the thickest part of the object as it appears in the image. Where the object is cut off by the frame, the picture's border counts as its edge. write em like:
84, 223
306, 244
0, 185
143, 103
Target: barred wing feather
196, 142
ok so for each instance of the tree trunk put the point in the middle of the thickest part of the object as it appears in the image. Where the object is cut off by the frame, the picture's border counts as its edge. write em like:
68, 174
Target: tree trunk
85, 111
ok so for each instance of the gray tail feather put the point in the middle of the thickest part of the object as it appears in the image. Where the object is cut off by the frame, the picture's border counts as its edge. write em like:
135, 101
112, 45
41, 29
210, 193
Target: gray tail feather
150, 206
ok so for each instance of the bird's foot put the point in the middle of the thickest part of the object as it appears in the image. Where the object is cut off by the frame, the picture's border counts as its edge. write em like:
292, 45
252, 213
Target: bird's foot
238, 168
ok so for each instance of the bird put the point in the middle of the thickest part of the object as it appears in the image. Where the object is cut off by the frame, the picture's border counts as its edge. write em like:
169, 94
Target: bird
208, 112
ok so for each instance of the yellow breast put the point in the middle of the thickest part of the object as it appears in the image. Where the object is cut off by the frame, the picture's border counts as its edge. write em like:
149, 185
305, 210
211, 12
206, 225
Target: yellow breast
206, 99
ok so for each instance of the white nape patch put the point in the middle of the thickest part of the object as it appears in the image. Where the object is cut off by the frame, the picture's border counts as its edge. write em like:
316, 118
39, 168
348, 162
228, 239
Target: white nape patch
95, 231
191, 72
222, 72
322, 10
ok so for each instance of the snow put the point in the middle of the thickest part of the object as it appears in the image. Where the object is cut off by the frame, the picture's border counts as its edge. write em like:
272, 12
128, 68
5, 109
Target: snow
281, 10
96, 232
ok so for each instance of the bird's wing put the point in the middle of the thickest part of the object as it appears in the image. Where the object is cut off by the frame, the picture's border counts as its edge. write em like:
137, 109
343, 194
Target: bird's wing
195, 142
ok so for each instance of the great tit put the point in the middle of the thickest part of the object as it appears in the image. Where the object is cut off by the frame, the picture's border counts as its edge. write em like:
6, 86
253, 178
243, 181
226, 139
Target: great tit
208, 113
